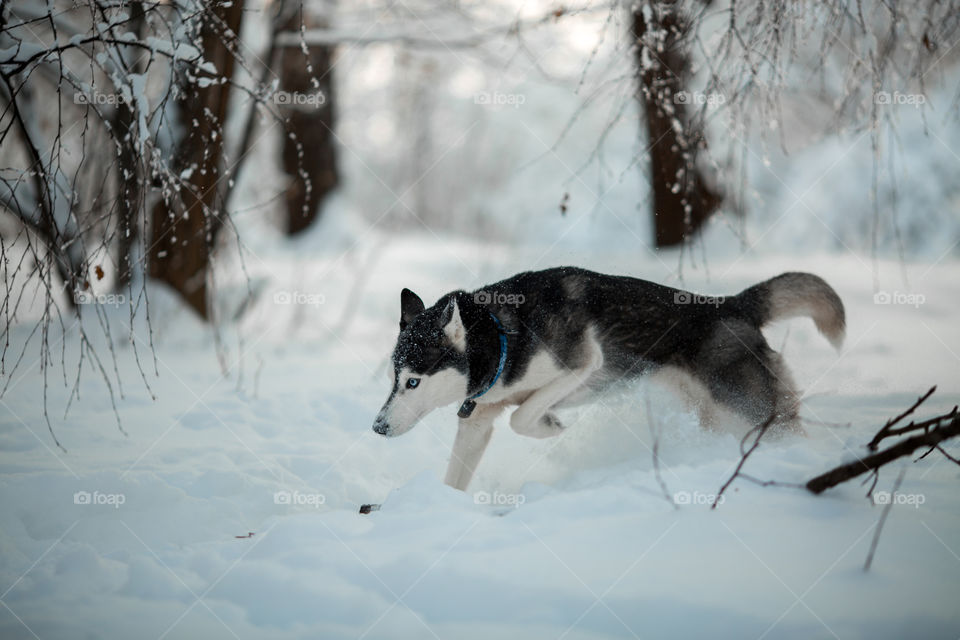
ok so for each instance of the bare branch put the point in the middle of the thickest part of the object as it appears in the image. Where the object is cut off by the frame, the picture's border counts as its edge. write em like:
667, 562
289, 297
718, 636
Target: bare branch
759, 430
887, 430
883, 520
655, 452
873, 462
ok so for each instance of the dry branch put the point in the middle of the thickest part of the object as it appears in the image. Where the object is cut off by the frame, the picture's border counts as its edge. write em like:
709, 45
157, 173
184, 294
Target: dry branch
887, 430
655, 432
883, 517
931, 438
760, 431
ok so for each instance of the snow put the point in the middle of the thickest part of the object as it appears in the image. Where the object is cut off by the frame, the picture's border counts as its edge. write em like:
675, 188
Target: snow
175, 47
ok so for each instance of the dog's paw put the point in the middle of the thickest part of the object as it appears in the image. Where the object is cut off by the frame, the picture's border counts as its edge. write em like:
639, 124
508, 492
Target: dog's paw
550, 421
546, 426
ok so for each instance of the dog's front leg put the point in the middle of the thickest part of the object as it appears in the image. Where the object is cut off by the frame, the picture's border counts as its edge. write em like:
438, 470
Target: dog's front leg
473, 436
532, 417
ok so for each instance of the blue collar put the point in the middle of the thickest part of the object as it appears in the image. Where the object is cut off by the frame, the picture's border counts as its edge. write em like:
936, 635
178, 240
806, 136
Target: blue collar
469, 404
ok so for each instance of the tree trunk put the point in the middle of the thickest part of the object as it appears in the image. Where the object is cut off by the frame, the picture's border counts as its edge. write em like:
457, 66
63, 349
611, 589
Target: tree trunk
682, 199
185, 224
306, 85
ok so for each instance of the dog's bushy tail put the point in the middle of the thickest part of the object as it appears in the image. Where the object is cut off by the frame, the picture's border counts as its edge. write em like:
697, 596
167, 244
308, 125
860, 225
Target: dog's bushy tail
793, 294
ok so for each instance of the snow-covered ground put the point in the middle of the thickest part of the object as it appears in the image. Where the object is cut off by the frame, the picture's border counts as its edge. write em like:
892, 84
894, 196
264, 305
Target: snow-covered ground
570, 537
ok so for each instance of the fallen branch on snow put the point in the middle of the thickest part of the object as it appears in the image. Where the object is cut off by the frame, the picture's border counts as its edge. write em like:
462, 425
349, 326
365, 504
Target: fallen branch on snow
935, 431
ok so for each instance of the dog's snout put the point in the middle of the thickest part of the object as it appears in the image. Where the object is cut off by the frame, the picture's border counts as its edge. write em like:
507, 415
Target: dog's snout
381, 427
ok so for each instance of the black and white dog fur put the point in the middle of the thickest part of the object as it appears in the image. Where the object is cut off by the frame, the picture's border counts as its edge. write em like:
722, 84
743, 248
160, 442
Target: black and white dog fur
570, 333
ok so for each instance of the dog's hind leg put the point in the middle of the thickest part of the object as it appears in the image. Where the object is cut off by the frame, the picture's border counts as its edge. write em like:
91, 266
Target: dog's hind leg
786, 399
473, 436
695, 395
532, 418
745, 374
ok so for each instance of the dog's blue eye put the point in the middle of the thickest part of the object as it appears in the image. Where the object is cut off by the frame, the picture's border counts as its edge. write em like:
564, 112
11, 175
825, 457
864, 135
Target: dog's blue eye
412, 383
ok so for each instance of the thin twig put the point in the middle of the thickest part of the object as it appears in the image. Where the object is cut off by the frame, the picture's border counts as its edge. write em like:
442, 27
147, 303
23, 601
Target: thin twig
883, 519
656, 457
886, 430
761, 429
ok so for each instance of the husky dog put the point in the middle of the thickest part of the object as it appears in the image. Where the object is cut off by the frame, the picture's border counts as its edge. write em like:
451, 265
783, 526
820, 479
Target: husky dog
543, 339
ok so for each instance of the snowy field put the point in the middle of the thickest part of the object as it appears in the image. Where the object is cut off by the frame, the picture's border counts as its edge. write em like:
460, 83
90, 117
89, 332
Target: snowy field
230, 510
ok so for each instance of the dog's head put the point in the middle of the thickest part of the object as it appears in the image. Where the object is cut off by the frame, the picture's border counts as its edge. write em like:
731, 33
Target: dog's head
430, 363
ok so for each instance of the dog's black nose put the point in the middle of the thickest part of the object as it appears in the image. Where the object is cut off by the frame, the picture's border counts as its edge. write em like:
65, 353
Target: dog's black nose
381, 427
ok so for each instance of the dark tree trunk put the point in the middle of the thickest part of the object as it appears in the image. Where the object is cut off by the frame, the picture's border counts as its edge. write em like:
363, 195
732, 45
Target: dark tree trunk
682, 198
311, 161
184, 226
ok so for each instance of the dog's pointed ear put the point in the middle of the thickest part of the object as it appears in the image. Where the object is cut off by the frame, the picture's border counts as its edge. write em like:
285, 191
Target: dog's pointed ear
410, 307
452, 325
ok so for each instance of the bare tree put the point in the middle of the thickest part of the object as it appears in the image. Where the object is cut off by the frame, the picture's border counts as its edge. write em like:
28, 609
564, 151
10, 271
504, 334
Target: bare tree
737, 63
682, 196
184, 228
115, 162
